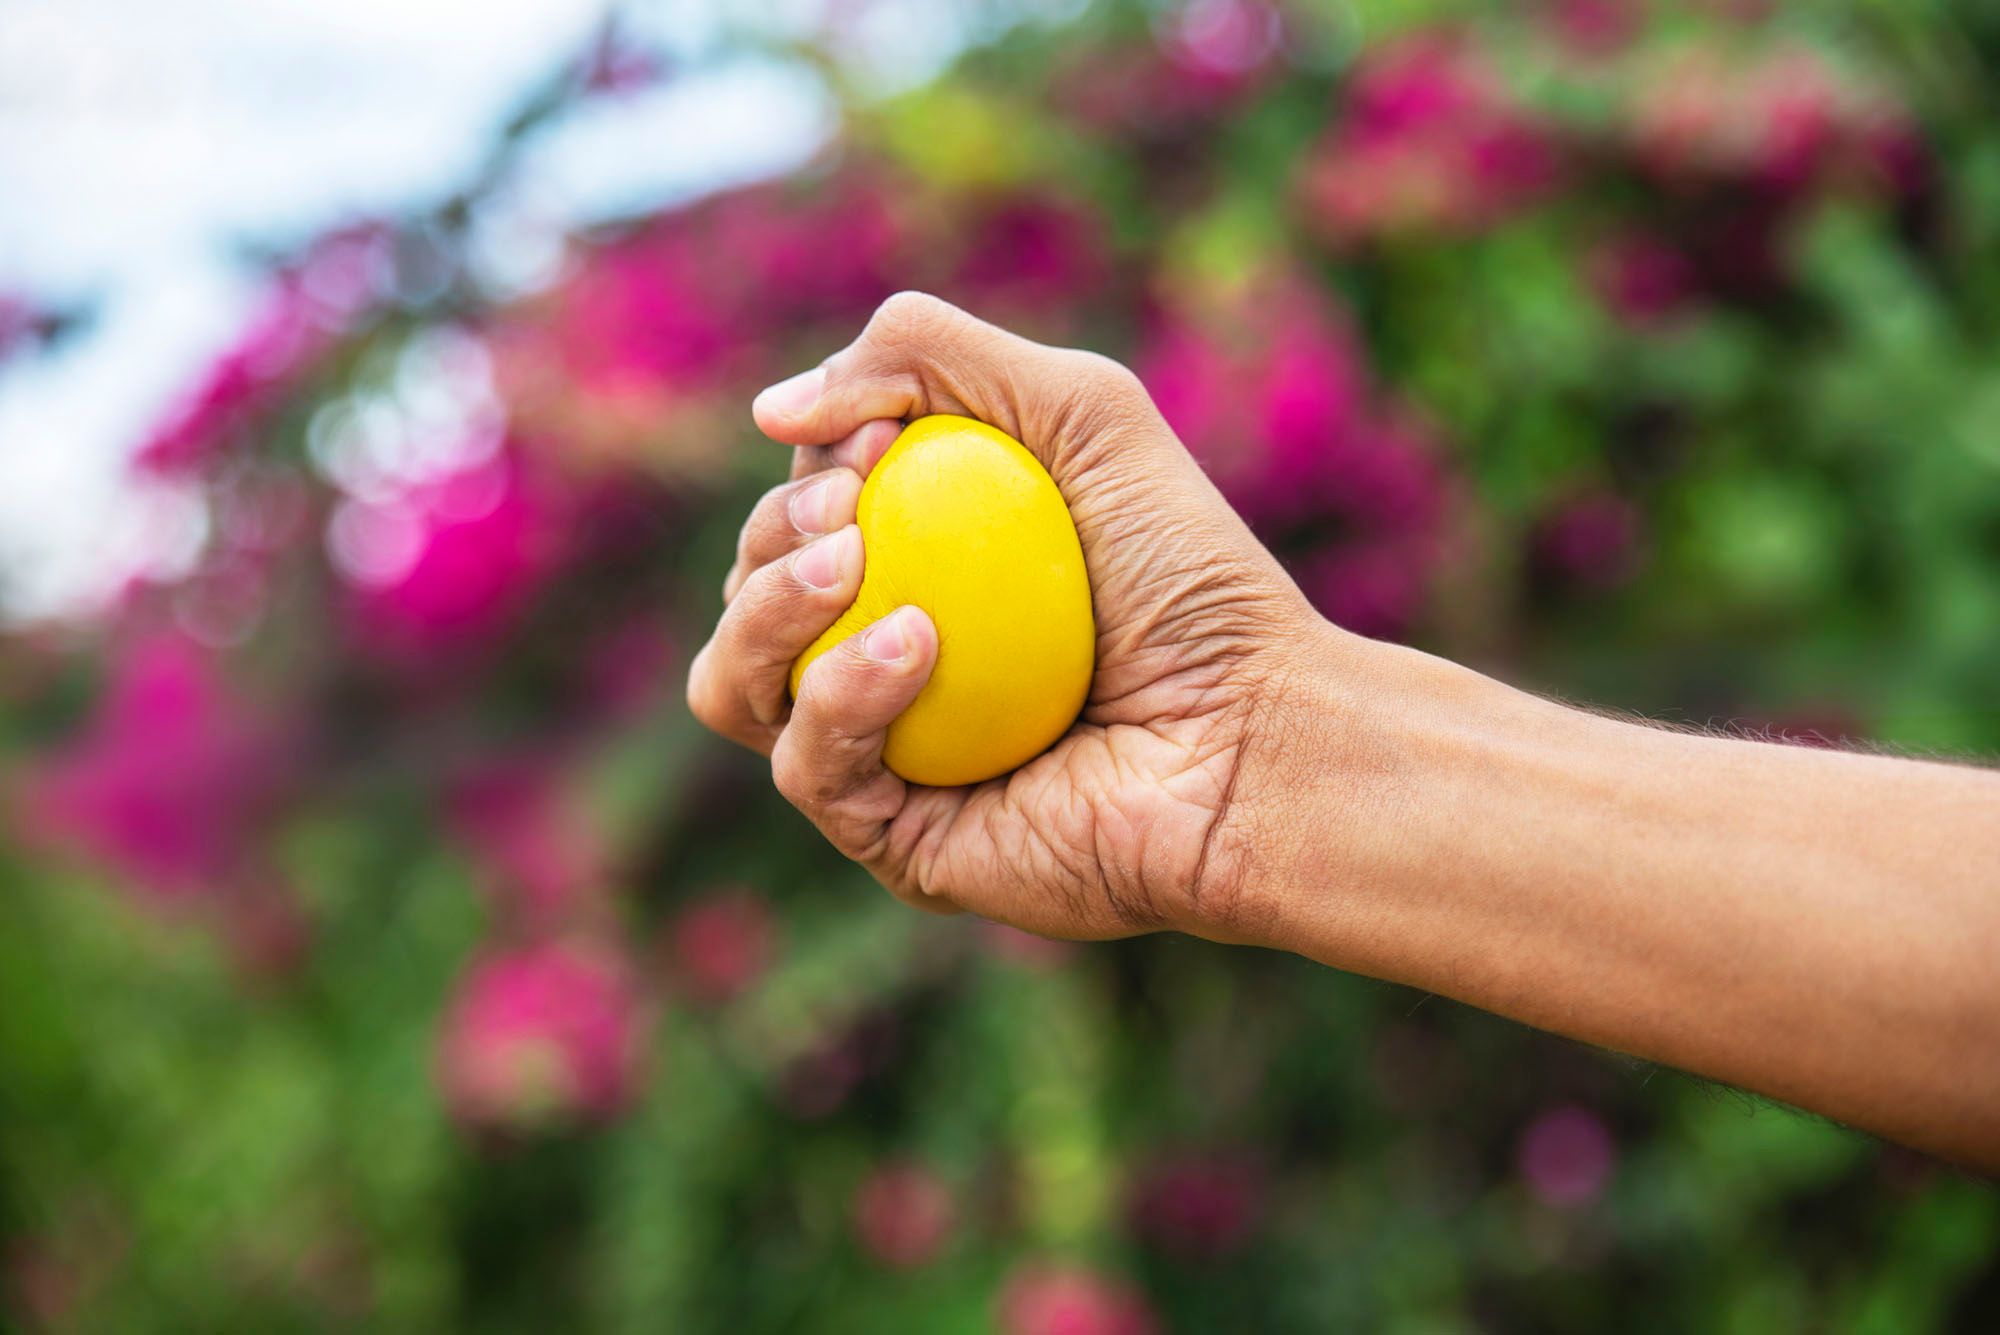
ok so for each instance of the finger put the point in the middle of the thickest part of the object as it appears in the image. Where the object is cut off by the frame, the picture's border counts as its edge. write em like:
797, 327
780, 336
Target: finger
812, 459
864, 446
781, 523
737, 683
787, 517
828, 760
921, 355
858, 450
917, 355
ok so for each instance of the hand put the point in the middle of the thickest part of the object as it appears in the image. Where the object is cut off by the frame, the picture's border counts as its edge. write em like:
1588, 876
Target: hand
1145, 814
1817, 926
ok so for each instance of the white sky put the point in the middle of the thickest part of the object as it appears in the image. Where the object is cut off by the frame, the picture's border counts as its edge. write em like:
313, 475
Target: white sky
141, 141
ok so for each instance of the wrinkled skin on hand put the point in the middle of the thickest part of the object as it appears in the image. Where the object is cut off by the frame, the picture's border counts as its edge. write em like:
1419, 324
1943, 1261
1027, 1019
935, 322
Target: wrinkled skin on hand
1146, 814
1809, 924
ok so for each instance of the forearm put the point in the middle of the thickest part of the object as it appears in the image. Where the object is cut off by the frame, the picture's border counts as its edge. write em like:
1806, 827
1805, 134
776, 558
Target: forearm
1821, 927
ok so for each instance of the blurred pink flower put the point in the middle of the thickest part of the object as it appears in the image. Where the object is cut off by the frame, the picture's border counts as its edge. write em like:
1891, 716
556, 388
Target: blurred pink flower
689, 304
1211, 55
1191, 376
1040, 1298
1429, 140
1029, 257
304, 311
222, 600
1894, 156
1779, 117
789, 257
541, 1036
1592, 540
1375, 587
1794, 101
1225, 44
1275, 408
1640, 278
1280, 413
540, 853
453, 562
639, 312
347, 270
637, 353
1594, 28
1566, 1156
1306, 399
1685, 117
1198, 1206
1387, 477
720, 945
690, 298
904, 1214
243, 383
629, 668
170, 780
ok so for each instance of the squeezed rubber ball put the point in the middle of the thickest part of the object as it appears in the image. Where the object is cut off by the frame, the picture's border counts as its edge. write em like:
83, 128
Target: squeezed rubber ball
960, 520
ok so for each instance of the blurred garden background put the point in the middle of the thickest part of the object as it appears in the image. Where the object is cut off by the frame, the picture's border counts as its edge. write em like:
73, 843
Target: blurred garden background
381, 944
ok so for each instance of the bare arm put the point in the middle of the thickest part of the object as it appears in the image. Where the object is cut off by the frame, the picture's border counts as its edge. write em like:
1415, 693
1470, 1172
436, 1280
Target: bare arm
1823, 928
1818, 926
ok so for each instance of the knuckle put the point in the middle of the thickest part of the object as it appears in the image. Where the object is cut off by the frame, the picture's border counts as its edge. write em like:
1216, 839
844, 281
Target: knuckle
759, 610
785, 777
771, 506
821, 678
857, 672
746, 537
701, 689
790, 775
763, 534
910, 313
1104, 377
1102, 400
773, 530
786, 588
1109, 374
773, 581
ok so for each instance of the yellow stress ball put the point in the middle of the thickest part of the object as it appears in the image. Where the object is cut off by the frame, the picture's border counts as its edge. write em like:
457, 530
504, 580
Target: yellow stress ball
960, 520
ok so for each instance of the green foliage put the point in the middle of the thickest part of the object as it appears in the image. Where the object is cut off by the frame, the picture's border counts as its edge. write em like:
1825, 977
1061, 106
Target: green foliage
200, 1130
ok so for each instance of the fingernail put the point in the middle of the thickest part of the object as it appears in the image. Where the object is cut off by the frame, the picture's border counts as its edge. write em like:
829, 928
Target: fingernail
789, 398
821, 564
812, 506
886, 641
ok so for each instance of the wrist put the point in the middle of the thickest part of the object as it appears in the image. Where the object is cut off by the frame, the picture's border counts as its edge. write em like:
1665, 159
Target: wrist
1385, 779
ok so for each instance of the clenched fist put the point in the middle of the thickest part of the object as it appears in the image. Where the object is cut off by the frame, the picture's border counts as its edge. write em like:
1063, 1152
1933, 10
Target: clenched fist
1817, 926
1145, 814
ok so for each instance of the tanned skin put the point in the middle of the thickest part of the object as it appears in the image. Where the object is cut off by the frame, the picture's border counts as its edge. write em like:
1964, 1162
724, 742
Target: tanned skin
1817, 926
